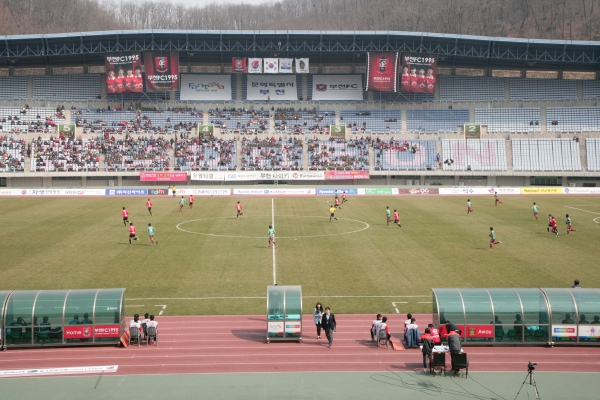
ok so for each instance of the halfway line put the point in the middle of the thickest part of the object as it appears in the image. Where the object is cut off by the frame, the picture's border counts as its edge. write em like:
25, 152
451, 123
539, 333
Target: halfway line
273, 225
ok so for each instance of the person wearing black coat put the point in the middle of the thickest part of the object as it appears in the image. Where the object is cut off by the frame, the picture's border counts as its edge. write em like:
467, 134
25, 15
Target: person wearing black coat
328, 324
454, 345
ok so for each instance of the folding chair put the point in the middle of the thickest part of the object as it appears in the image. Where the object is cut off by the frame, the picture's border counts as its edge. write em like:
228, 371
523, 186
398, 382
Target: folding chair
134, 334
437, 360
461, 362
152, 334
382, 335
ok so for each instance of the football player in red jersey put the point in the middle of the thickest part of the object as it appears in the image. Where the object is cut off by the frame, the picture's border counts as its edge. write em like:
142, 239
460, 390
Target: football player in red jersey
405, 79
238, 208
132, 232
120, 81
430, 79
149, 205
125, 215
128, 81
421, 82
414, 87
138, 83
554, 227
111, 83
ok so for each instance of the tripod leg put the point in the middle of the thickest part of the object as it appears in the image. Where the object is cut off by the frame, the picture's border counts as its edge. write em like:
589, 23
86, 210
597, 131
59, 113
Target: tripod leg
537, 395
523, 384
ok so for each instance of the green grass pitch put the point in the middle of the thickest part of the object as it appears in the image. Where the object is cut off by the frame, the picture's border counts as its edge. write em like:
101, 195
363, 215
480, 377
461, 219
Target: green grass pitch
218, 265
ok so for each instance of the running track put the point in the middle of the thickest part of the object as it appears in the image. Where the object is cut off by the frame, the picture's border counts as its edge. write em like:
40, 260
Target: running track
219, 344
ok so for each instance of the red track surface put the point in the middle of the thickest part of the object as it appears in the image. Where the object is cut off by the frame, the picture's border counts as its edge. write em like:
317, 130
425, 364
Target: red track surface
216, 344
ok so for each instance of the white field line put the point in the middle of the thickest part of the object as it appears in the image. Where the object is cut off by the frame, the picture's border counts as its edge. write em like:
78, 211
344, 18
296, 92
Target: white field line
273, 224
264, 297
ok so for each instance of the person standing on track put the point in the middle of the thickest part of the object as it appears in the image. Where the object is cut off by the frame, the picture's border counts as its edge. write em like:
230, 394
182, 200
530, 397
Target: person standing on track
271, 233
569, 225
238, 208
332, 214
535, 209
492, 236
328, 324
469, 206
149, 205
317, 316
125, 215
132, 232
181, 204
150, 230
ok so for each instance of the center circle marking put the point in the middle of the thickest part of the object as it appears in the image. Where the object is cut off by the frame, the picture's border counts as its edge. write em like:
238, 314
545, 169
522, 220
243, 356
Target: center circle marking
365, 227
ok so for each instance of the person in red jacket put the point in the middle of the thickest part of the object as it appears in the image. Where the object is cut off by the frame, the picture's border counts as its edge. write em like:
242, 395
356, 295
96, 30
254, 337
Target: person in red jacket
427, 348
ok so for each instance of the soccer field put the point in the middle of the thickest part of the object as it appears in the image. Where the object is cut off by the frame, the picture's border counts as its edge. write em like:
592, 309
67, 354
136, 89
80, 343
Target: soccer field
207, 262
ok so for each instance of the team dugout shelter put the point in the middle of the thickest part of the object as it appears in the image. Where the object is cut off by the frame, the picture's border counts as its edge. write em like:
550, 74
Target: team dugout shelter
33, 318
520, 316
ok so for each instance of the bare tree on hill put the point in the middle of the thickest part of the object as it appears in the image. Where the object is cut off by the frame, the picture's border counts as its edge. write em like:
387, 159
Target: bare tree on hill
548, 19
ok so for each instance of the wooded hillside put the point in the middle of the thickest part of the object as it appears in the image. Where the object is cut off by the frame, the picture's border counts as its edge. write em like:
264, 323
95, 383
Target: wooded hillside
547, 19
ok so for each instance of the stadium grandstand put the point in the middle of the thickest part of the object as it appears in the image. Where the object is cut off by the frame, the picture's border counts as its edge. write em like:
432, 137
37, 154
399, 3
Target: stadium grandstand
534, 103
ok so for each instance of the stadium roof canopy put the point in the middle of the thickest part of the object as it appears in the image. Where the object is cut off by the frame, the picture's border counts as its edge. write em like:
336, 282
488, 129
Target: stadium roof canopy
331, 47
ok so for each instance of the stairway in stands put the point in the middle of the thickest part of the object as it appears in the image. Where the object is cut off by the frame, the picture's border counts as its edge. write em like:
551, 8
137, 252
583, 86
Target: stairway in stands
583, 153
509, 156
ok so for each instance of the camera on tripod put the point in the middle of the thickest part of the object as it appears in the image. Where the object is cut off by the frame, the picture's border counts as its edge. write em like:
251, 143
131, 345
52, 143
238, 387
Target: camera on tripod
531, 366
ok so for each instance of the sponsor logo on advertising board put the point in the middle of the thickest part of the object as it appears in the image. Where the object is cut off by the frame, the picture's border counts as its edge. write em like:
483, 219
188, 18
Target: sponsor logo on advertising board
418, 191
126, 192
269, 192
550, 190
346, 175
163, 176
339, 191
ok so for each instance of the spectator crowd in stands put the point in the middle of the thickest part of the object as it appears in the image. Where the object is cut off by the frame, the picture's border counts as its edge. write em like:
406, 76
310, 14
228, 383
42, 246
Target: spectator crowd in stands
65, 154
203, 154
352, 154
12, 154
137, 154
271, 154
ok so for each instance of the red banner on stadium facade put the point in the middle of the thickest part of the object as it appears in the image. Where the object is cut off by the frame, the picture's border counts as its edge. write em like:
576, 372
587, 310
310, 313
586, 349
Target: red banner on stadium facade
124, 73
163, 176
418, 73
162, 70
382, 72
346, 175
239, 65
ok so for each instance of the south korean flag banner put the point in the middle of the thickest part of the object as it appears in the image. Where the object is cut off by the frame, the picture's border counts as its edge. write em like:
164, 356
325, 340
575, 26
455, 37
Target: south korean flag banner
302, 65
271, 66
285, 65
255, 65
